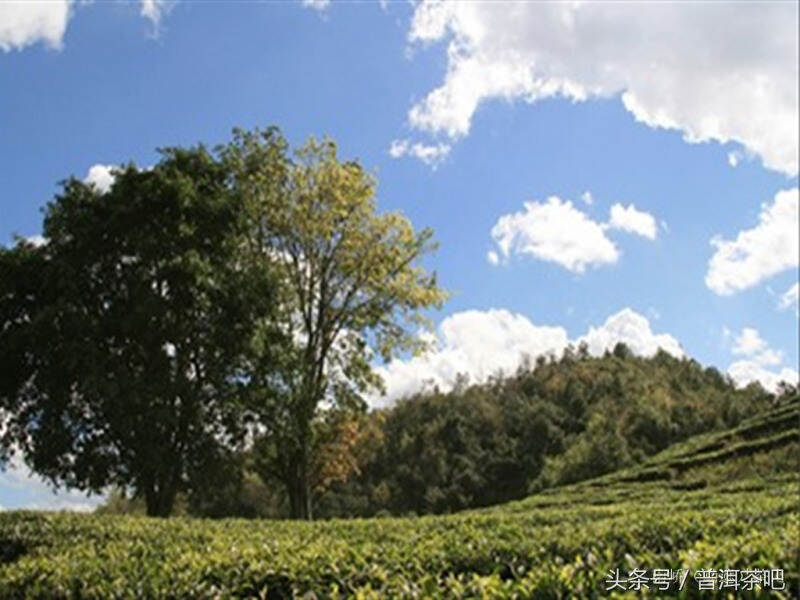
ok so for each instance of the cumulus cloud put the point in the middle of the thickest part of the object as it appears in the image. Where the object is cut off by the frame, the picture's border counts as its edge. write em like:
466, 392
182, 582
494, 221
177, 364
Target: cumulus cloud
430, 154
633, 330
479, 343
587, 198
757, 355
744, 372
737, 83
101, 176
767, 249
25, 23
750, 343
633, 221
555, 231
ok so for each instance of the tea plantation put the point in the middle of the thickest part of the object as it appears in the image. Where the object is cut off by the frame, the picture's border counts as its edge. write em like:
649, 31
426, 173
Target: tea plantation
721, 501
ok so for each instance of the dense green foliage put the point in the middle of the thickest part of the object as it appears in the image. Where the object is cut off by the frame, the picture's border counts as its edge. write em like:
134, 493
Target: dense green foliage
212, 298
350, 289
551, 424
718, 500
556, 423
123, 335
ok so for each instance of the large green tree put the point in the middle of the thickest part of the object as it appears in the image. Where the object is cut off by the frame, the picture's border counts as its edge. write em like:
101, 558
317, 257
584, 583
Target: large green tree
123, 337
351, 290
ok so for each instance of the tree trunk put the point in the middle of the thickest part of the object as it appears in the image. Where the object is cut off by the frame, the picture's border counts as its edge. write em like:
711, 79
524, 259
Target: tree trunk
160, 499
297, 488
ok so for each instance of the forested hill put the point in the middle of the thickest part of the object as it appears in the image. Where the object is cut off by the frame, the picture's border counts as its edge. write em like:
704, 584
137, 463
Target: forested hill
555, 422
552, 423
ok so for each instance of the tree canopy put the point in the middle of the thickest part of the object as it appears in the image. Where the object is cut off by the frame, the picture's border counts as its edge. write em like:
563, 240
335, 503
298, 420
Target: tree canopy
214, 302
125, 331
554, 422
351, 290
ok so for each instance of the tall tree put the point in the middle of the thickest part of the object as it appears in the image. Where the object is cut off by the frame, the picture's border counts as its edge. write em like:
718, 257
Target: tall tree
125, 332
351, 289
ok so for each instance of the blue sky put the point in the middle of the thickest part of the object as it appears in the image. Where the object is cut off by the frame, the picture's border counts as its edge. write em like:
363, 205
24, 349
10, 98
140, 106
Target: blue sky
489, 123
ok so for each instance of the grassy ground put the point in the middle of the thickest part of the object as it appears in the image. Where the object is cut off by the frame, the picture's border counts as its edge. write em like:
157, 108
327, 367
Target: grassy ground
726, 500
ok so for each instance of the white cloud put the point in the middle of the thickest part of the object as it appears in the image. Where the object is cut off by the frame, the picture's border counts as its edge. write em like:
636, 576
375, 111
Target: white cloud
769, 357
101, 176
22, 489
554, 231
750, 343
633, 221
317, 4
790, 298
587, 198
492, 257
431, 154
25, 23
731, 83
744, 372
36, 240
758, 355
479, 343
558, 232
474, 342
735, 157
154, 11
767, 249
632, 329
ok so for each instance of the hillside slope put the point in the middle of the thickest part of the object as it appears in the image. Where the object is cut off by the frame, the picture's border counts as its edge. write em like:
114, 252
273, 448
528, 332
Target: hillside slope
557, 422
726, 500
761, 452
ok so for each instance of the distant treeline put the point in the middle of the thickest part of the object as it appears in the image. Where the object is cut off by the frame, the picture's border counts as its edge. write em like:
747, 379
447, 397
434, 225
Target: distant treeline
553, 422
